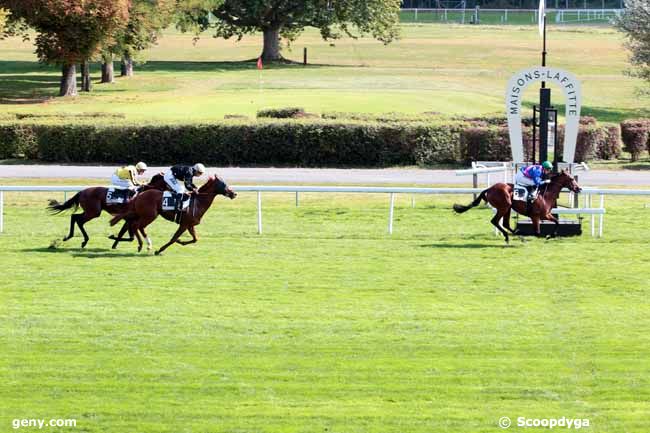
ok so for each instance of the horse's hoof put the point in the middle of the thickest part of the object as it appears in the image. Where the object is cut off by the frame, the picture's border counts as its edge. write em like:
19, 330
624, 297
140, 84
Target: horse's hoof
65, 238
158, 253
83, 244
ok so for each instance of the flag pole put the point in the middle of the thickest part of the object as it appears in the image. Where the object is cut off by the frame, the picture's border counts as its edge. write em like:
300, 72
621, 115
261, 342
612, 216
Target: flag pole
544, 47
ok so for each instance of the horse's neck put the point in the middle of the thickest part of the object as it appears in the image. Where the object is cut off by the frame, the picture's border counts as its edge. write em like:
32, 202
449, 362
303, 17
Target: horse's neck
203, 202
552, 191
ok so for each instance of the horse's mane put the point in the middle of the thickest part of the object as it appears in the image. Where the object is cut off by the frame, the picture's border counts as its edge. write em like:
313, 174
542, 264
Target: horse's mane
209, 184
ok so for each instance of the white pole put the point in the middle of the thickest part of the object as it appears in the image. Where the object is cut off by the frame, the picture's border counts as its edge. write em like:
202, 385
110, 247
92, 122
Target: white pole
413, 201
390, 213
2, 210
593, 220
259, 212
601, 217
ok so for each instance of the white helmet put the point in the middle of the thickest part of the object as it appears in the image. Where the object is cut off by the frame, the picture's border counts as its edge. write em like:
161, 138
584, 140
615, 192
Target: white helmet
141, 166
199, 168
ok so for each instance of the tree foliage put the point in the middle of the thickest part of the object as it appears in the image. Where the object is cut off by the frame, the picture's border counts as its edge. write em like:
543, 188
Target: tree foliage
635, 23
146, 20
288, 18
69, 31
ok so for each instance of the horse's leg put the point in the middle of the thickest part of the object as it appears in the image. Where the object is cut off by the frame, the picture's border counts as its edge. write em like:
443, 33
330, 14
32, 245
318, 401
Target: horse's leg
506, 221
550, 217
119, 238
147, 239
495, 221
73, 221
136, 230
192, 233
179, 232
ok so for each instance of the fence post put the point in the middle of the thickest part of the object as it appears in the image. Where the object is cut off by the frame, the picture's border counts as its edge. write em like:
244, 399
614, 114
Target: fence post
601, 217
2, 211
259, 212
297, 199
390, 213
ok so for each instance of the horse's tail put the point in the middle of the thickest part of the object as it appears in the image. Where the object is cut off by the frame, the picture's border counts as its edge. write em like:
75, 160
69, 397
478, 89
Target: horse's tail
459, 208
55, 207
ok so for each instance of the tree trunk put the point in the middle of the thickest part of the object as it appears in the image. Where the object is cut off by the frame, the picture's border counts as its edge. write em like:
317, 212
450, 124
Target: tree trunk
68, 80
108, 76
85, 76
271, 52
126, 66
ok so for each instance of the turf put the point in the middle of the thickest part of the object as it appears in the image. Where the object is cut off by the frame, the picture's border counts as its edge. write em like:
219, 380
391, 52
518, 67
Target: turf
325, 322
450, 69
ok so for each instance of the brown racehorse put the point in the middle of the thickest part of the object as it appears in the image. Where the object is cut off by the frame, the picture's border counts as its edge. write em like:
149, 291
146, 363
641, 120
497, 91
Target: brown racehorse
500, 197
93, 202
145, 207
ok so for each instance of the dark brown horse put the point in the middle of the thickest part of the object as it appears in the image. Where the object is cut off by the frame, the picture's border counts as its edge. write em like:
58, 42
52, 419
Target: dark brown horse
500, 197
93, 202
146, 207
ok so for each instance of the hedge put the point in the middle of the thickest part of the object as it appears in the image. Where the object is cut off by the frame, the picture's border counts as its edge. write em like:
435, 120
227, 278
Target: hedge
283, 142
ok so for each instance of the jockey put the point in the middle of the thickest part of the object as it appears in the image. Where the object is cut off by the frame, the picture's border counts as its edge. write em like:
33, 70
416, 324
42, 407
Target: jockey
533, 176
124, 177
184, 174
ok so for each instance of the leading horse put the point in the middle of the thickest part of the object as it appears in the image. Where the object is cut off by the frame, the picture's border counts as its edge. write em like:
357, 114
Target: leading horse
93, 201
146, 207
500, 197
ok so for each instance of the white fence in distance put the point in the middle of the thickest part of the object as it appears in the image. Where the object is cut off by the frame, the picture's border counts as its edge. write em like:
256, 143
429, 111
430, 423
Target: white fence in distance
259, 189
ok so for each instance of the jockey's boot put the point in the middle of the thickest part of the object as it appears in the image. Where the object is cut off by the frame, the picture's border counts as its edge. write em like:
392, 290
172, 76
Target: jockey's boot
179, 208
530, 198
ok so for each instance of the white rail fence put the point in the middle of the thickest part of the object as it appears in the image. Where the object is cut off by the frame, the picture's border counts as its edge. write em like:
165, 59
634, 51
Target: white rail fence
587, 193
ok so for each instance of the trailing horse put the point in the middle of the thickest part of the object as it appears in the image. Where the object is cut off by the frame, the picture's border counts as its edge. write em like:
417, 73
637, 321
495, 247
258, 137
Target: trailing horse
146, 207
500, 197
93, 202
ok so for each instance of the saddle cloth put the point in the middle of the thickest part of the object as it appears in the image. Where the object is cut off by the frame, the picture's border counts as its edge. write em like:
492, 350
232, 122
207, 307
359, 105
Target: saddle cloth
520, 192
116, 195
169, 201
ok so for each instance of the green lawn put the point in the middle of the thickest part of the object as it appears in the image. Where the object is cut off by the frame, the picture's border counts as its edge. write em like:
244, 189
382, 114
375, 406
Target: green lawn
325, 322
450, 69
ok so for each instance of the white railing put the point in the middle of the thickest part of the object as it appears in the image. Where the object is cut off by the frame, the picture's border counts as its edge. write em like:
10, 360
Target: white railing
259, 189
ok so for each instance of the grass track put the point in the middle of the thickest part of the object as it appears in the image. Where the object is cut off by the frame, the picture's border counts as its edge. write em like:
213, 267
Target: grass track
324, 322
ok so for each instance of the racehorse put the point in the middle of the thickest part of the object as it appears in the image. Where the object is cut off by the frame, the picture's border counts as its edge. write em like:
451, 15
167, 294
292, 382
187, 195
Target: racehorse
93, 202
500, 197
146, 207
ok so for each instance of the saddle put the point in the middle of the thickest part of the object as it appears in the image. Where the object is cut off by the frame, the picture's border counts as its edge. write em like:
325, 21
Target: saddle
525, 193
169, 201
116, 195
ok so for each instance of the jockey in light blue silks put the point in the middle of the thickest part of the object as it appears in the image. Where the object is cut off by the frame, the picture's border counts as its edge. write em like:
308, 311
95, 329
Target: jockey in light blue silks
533, 176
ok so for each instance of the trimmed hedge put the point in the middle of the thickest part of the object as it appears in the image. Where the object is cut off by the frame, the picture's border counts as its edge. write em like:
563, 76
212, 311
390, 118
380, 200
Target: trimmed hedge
293, 143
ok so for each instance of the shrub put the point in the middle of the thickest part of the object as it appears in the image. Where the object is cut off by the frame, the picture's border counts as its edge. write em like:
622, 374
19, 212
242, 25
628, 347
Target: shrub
635, 135
610, 147
282, 113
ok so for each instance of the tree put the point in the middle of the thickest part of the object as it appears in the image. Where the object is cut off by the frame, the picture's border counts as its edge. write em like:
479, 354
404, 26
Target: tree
288, 18
147, 18
69, 31
635, 23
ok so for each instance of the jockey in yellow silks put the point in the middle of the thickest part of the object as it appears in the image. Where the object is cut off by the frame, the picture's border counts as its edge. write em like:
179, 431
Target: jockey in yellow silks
124, 177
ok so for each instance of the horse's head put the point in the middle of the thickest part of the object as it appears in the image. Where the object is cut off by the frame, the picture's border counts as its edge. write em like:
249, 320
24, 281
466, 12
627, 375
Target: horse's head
216, 185
565, 180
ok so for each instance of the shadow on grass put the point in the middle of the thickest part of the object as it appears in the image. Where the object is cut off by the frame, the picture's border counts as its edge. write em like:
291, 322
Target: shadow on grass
464, 246
91, 253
